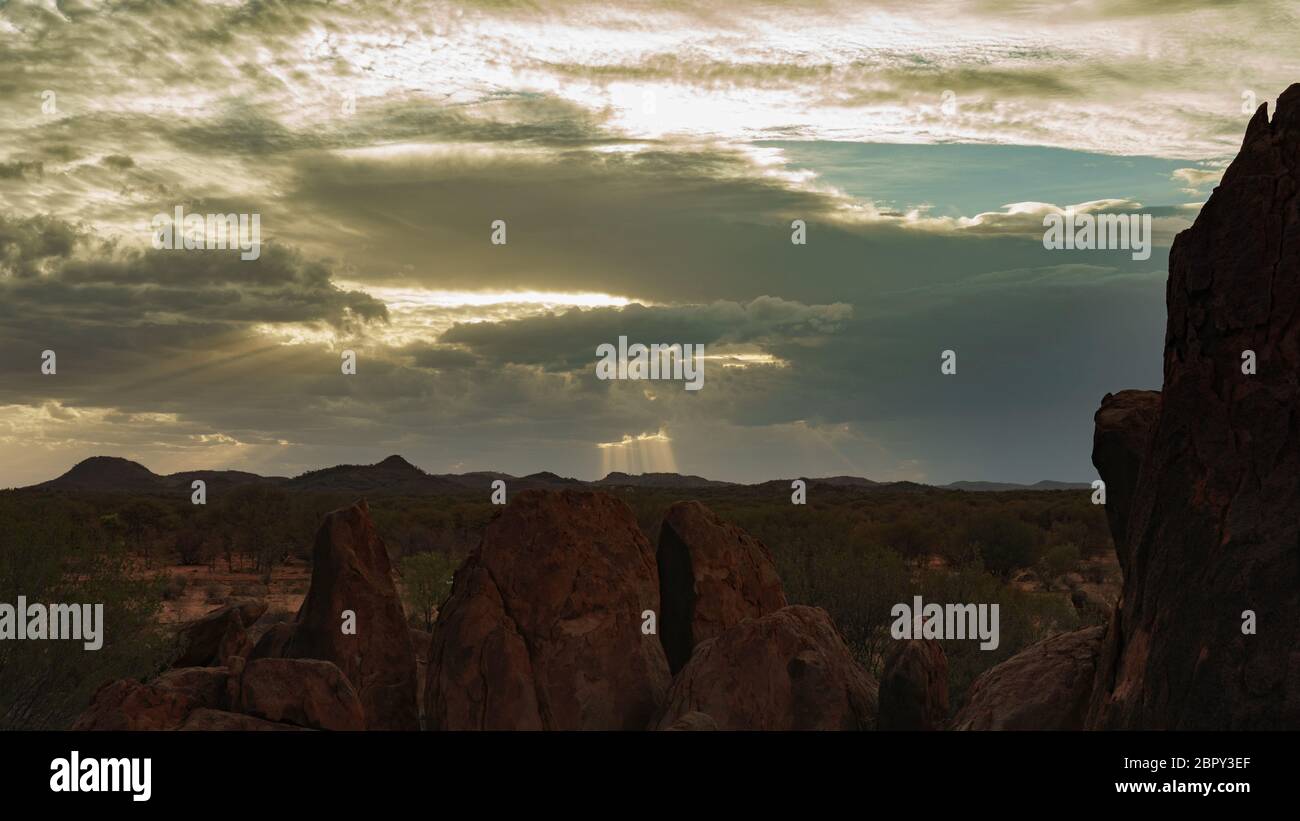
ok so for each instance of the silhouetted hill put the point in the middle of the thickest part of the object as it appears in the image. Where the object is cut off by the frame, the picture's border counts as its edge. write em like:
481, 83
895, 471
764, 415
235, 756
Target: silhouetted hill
107, 473
1046, 484
668, 480
394, 475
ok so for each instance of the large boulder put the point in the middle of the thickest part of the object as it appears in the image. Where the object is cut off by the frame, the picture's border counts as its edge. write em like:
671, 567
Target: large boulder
788, 670
1046, 686
1124, 423
1214, 526
694, 722
164, 703
208, 685
914, 687
274, 642
211, 640
712, 575
351, 572
543, 629
303, 692
207, 720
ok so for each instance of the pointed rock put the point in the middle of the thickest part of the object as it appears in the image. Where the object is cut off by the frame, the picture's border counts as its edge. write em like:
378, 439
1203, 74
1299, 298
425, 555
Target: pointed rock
1214, 526
712, 575
351, 571
543, 627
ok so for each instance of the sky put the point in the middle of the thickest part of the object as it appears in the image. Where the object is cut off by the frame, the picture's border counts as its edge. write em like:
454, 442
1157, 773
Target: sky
648, 162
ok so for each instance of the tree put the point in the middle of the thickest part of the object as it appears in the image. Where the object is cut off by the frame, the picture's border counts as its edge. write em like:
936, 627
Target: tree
426, 583
1004, 542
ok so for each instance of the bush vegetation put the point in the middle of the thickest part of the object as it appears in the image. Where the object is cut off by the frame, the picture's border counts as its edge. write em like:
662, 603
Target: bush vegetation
854, 552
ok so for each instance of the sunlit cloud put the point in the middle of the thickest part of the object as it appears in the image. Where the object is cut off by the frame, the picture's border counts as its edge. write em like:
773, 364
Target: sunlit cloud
642, 453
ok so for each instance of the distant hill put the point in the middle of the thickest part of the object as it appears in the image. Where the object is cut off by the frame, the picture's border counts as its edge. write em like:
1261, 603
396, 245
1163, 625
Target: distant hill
107, 473
113, 474
394, 475
1046, 484
665, 480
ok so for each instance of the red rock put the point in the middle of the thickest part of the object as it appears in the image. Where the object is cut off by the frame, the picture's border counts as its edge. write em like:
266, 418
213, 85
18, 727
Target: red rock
712, 575
1046, 686
208, 685
303, 692
274, 642
914, 687
694, 722
127, 704
207, 720
351, 571
543, 627
1123, 432
789, 670
211, 640
1214, 526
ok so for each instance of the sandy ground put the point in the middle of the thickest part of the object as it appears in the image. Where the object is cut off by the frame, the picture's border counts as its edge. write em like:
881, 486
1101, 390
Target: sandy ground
205, 590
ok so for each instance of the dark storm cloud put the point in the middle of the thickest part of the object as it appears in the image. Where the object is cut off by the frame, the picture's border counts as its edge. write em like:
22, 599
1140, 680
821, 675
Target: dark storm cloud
568, 341
380, 141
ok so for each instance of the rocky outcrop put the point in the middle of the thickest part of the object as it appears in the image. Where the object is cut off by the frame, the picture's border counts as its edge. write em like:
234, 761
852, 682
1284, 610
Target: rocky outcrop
914, 687
164, 703
788, 670
303, 692
351, 572
712, 575
1214, 526
206, 720
274, 642
694, 722
543, 629
214, 638
1124, 423
1046, 686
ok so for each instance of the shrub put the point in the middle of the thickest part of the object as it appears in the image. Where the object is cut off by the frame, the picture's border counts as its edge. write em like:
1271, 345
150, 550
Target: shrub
426, 583
174, 587
48, 557
1004, 542
1058, 560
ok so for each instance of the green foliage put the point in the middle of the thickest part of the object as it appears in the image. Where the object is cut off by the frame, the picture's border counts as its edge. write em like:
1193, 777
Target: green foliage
1023, 618
426, 583
1058, 560
854, 553
1003, 541
49, 557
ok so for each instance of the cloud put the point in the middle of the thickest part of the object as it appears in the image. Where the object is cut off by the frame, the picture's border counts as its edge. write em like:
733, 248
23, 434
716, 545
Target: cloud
568, 341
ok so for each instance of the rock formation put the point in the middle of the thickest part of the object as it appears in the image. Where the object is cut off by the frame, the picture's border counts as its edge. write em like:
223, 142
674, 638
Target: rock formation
543, 629
914, 687
208, 720
126, 704
1046, 686
712, 575
303, 692
1123, 430
1214, 525
788, 670
351, 571
214, 638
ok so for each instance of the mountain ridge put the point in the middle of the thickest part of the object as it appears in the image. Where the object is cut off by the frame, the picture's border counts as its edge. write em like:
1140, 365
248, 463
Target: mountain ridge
398, 476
